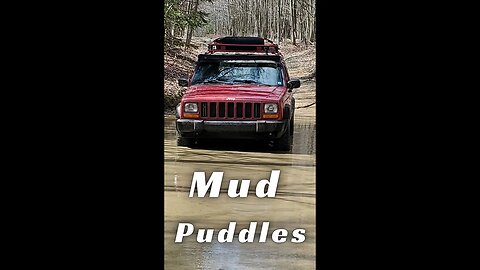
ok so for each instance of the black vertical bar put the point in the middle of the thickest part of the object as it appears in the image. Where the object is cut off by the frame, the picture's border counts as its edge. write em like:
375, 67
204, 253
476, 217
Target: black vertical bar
239, 109
230, 110
256, 112
248, 110
213, 109
221, 109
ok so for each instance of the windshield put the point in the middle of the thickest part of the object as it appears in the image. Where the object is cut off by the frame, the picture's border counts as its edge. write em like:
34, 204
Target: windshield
230, 72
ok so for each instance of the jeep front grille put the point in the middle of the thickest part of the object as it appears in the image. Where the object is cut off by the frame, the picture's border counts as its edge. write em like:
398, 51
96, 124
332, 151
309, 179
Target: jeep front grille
230, 110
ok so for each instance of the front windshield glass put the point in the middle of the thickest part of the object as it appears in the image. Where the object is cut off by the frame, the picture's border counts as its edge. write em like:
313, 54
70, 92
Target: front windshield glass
230, 72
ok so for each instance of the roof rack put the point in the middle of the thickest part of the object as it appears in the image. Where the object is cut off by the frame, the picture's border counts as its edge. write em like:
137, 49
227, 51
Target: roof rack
223, 57
243, 44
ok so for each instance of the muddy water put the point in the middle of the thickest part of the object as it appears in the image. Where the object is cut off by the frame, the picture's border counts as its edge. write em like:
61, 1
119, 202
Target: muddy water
292, 208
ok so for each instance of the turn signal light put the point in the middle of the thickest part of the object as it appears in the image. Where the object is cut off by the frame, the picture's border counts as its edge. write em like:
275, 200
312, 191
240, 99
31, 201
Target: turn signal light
191, 115
270, 116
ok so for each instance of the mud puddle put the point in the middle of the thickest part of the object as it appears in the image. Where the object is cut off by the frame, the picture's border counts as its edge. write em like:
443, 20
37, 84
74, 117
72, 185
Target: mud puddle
292, 208
304, 140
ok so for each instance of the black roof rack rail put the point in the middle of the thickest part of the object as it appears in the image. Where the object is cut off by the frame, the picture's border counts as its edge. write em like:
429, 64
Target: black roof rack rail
222, 57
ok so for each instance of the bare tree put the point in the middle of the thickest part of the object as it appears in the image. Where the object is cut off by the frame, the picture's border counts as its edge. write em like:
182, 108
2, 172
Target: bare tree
274, 19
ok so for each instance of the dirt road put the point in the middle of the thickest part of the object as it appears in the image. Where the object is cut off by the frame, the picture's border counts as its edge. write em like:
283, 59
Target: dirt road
292, 208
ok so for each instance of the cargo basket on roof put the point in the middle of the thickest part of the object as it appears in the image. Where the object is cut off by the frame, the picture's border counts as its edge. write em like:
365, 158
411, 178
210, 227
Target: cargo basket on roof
243, 44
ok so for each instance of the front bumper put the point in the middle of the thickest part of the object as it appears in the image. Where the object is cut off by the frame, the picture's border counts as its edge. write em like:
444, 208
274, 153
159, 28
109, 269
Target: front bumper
257, 129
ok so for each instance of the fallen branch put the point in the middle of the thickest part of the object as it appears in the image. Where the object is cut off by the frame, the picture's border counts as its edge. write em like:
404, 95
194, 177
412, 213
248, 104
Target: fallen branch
306, 106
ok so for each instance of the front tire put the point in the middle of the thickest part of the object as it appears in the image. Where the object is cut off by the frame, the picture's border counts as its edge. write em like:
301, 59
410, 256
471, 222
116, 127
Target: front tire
182, 141
292, 121
284, 143
292, 124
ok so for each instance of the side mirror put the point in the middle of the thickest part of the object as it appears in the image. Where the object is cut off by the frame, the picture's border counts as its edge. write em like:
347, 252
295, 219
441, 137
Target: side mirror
183, 82
295, 83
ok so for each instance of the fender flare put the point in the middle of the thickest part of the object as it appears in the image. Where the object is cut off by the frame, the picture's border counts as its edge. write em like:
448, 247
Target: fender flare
177, 111
289, 110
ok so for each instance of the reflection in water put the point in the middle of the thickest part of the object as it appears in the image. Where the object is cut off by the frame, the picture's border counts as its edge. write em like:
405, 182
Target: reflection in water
292, 208
235, 255
304, 139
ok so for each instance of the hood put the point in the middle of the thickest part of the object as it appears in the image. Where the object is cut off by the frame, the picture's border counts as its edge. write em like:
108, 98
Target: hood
237, 91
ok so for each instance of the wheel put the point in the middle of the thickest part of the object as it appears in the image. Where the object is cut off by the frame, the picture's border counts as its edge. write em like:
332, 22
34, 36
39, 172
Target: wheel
292, 121
182, 141
292, 124
284, 143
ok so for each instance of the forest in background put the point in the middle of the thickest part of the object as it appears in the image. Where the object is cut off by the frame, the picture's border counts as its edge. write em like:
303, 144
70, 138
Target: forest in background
191, 24
279, 20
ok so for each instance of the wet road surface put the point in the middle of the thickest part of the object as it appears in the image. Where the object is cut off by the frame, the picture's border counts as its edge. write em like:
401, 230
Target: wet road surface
292, 208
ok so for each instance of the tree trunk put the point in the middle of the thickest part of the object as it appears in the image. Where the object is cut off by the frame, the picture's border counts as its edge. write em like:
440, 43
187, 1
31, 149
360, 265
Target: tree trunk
293, 22
279, 22
190, 28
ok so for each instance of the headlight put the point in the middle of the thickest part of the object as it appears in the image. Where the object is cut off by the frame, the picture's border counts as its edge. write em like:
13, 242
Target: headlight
191, 107
271, 108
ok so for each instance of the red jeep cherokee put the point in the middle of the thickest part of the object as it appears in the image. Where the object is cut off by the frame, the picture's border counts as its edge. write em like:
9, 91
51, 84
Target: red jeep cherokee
240, 89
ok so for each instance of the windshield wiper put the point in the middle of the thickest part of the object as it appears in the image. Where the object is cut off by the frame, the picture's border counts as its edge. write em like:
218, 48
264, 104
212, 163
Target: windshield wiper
212, 81
246, 81
252, 82
216, 81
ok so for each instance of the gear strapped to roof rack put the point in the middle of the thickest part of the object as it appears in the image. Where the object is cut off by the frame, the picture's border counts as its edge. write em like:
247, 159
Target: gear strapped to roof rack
243, 44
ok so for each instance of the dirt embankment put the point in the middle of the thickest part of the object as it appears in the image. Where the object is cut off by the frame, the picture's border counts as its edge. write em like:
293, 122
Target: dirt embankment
179, 63
301, 65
